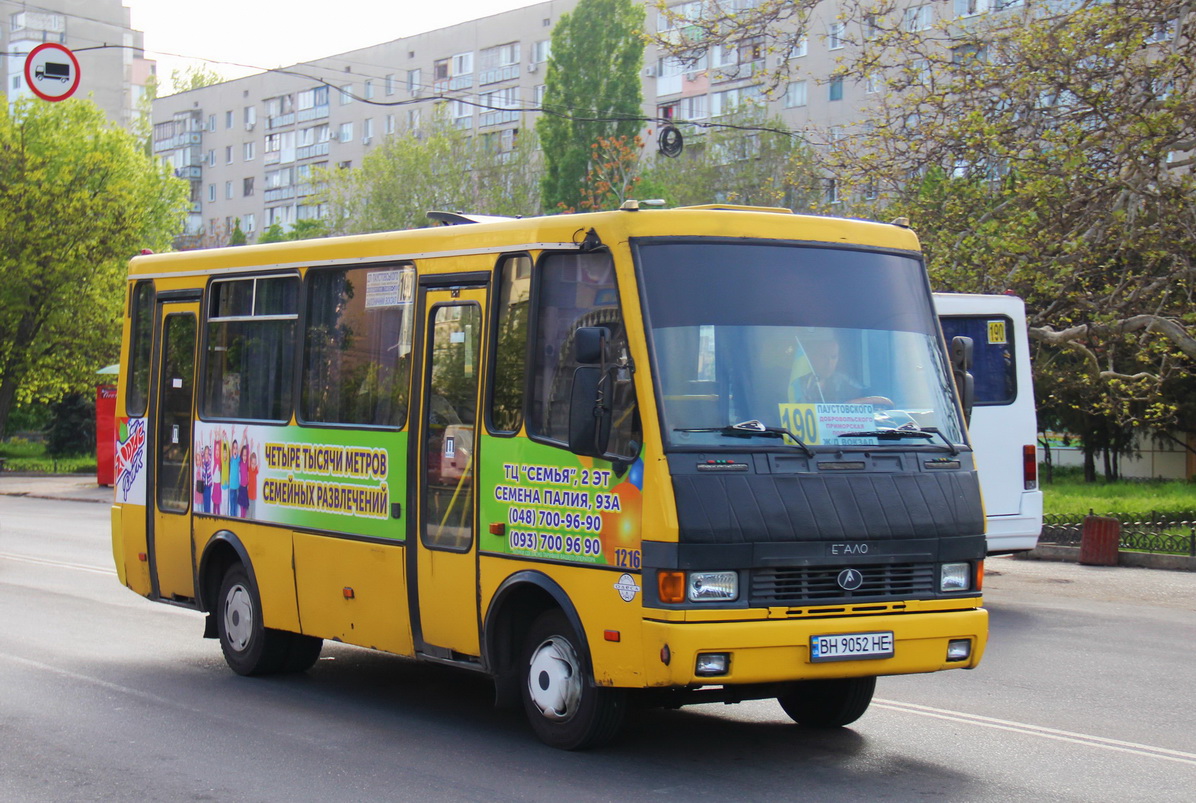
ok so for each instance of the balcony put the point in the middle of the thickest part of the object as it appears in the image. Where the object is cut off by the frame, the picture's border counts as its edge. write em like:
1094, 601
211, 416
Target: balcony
448, 85
507, 73
280, 121
280, 194
312, 151
192, 171
314, 113
498, 117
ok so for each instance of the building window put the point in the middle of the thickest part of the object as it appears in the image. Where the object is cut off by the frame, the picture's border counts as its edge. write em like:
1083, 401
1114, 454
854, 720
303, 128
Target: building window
211, 193
917, 18
834, 37
228, 190
970, 8
228, 119
346, 93
346, 132
414, 82
247, 186
390, 124
250, 117
250, 223
462, 64
369, 90
390, 84
835, 89
228, 154
795, 94
250, 151
367, 135
541, 51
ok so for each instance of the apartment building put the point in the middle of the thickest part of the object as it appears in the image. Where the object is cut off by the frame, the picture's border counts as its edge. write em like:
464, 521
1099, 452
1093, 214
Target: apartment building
112, 68
249, 146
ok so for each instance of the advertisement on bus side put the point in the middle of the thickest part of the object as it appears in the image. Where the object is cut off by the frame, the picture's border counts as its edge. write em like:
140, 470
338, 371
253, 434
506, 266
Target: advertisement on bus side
557, 505
336, 480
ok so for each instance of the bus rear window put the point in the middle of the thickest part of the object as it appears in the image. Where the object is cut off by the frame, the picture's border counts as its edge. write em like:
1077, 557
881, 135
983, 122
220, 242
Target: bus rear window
994, 366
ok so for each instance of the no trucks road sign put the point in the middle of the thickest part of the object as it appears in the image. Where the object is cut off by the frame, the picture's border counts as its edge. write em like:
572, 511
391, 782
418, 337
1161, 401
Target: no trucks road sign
52, 72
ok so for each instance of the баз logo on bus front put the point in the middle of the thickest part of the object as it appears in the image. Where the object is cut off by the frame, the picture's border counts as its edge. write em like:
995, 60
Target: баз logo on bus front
850, 580
627, 588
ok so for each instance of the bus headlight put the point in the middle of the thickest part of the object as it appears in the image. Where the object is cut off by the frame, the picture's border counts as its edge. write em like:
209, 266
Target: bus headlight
712, 586
954, 577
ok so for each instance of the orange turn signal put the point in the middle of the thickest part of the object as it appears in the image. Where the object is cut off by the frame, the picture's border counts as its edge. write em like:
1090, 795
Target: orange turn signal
671, 586
979, 575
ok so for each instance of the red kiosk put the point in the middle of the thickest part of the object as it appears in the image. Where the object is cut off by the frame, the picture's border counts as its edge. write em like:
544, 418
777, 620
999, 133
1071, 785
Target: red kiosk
106, 429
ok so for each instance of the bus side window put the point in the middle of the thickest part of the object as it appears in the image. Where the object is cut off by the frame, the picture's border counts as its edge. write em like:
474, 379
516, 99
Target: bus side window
249, 365
510, 350
357, 347
140, 338
576, 291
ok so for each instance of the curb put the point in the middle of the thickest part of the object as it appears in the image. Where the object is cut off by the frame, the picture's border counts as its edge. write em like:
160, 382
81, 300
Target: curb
1140, 560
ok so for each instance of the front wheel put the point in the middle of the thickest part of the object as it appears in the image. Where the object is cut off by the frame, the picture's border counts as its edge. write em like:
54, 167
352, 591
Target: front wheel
249, 647
828, 703
565, 709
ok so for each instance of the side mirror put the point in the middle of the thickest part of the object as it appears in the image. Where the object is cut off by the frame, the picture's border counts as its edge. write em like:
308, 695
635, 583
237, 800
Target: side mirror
961, 367
589, 342
589, 414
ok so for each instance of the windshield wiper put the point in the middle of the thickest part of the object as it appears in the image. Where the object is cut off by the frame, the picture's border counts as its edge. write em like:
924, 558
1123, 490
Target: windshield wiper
926, 433
751, 429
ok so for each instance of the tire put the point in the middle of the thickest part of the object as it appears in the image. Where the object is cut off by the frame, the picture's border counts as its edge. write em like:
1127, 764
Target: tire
302, 653
564, 707
828, 703
249, 647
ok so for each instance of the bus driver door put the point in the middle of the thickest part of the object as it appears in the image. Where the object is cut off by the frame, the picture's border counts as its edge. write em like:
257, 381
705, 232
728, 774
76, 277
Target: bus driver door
443, 572
171, 485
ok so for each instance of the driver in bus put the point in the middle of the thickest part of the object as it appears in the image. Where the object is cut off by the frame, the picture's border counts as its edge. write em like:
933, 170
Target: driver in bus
825, 382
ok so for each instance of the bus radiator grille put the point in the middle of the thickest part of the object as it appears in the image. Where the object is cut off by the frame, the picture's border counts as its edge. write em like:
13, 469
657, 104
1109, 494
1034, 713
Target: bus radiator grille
801, 585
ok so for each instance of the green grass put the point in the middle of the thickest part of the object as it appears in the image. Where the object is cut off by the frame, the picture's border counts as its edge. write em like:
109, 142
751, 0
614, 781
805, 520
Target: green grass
28, 456
1070, 496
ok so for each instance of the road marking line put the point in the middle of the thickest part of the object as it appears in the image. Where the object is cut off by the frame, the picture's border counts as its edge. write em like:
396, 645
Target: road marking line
60, 564
1040, 731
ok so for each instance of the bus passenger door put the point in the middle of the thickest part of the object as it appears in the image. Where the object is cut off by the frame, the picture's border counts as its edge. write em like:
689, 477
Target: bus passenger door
171, 480
445, 607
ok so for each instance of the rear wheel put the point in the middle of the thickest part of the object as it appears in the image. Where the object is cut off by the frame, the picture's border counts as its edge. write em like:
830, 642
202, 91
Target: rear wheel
564, 707
828, 703
250, 648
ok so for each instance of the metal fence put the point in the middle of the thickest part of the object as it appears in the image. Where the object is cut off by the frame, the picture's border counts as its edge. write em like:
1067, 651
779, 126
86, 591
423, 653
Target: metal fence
1168, 533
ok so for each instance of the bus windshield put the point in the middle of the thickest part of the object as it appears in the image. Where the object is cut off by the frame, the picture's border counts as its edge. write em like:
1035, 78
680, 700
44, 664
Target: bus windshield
837, 347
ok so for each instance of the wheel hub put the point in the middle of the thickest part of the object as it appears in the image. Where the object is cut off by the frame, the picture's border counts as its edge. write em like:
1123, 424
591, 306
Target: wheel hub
238, 617
554, 679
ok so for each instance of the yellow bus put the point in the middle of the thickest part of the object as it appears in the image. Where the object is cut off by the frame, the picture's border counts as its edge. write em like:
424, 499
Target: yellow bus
612, 459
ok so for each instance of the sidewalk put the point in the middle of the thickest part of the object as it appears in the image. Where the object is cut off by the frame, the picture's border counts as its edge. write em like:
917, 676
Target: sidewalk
64, 487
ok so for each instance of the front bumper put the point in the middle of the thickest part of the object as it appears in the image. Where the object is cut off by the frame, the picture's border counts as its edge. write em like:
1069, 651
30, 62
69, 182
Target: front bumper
778, 650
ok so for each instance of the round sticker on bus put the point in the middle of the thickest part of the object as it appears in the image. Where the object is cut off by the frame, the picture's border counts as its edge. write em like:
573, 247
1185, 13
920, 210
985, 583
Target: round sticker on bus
627, 588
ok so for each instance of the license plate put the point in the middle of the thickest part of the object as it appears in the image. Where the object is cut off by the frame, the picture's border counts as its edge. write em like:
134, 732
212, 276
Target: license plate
851, 646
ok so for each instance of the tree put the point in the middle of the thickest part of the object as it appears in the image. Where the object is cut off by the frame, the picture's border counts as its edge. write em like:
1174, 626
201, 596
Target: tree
592, 90
194, 77
238, 234
1044, 150
78, 197
744, 158
438, 167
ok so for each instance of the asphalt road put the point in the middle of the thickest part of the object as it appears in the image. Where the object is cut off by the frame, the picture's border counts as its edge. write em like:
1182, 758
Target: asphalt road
1086, 694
